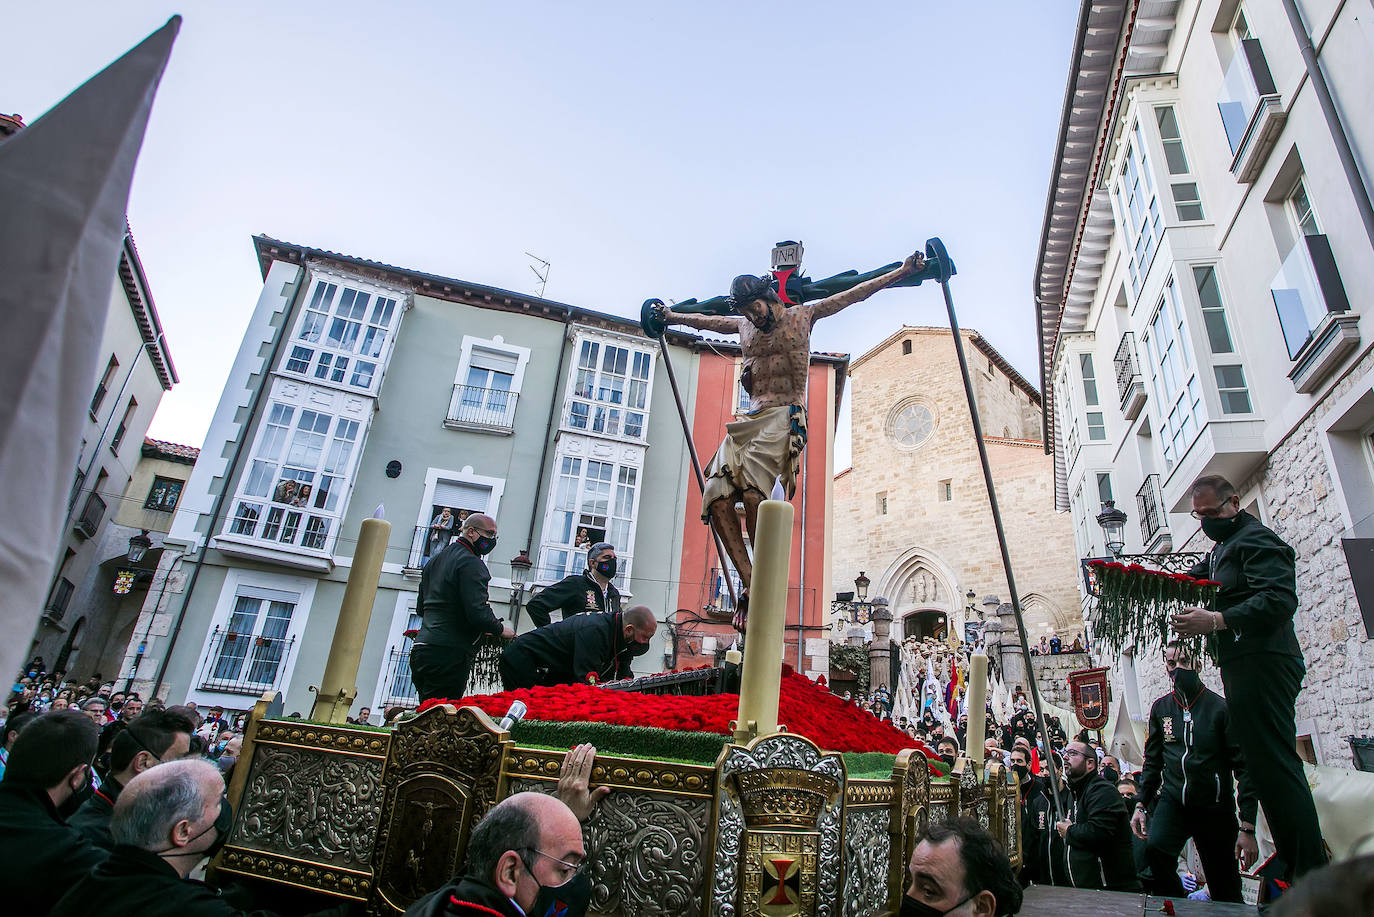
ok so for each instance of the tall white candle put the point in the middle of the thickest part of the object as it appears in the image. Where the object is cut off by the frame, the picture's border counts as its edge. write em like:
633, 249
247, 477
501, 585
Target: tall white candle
761, 680
977, 708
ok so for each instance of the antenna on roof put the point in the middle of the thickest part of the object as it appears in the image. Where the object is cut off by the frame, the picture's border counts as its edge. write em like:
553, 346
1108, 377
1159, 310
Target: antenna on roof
544, 275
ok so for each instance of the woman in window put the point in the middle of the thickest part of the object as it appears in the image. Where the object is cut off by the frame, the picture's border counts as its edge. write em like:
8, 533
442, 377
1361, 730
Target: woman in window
440, 531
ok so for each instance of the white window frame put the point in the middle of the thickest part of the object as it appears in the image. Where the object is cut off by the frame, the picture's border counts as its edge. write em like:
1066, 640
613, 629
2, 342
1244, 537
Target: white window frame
496, 486
1149, 232
496, 345
1186, 390
316, 276
236, 579
300, 396
742, 402
587, 449
1220, 359
395, 639
1178, 181
570, 397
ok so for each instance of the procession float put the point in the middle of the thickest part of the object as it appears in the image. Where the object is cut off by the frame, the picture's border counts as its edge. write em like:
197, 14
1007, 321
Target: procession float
742, 789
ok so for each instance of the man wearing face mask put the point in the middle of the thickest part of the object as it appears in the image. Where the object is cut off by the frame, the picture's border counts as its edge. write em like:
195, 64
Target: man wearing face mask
1251, 632
585, 649
1097, 834
1036, 815
958, 869
1191, 753
155, 737
948, 749
590, 590
524, 859
167, 820
47, 778
454, 612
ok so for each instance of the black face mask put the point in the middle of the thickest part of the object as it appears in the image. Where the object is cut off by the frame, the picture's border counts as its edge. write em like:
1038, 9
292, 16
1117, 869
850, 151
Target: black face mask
1221, 529
567, 900
1111, 773
1022, 773
483, 545
635, 648
913, 908
74, 802
948, 759
221, 825
606, 567
1186, 680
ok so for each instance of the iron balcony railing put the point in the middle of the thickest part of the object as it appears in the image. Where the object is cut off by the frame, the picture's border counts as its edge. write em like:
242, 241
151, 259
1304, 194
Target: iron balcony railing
1147, 500
1129, 384
398, 690
427, 541
718, 600
91, 514
481, 408
244, 663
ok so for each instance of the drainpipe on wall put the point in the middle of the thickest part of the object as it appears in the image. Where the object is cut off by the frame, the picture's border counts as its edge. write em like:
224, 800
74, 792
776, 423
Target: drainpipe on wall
222, 497
552, 425
1333, 118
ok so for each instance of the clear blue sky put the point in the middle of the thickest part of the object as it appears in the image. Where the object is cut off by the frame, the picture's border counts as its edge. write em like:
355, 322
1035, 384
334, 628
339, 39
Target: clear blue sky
643, 151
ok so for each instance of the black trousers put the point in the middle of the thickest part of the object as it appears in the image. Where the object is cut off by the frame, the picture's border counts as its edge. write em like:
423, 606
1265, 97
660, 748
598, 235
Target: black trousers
1261, 690
516, 672
440, 671
1213, 830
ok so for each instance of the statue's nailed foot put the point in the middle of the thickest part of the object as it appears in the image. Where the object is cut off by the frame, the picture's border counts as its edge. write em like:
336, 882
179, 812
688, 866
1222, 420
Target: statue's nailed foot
741, 618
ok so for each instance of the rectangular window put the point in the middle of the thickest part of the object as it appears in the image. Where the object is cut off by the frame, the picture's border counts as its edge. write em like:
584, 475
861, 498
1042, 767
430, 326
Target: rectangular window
946, 490
164, 494
1138, 207
882, 503
247, 654
1085, 364
1187, 201
61, 597
610, 390
1104, 488
102, 387
592, 502
1174, 157
296, 476
1097, 428
1213, 315
341, 335
1235, 397
123, 427
1298, 298
1173, 376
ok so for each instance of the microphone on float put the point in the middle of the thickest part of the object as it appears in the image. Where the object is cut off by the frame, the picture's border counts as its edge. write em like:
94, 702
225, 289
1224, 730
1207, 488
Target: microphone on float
515, 714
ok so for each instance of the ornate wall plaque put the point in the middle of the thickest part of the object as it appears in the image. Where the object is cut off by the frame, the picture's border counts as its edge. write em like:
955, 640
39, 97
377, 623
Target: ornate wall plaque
867, 858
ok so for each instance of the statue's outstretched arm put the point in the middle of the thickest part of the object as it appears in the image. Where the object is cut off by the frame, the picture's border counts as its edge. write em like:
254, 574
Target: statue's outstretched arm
832, 304
721, 324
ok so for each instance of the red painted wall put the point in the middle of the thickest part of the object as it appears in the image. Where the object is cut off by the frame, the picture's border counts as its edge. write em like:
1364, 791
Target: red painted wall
712, 409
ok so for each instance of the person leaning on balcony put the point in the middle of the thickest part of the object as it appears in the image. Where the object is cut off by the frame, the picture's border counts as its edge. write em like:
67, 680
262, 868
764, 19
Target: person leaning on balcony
590, 590
1250, 631
454, 612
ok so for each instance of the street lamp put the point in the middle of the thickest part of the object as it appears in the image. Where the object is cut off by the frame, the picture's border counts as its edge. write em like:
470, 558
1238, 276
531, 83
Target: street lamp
519, 575
1113, 522
138, 547
861, 583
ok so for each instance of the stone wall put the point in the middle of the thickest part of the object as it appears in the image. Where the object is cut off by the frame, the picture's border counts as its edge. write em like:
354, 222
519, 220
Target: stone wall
892, 521
1052, 675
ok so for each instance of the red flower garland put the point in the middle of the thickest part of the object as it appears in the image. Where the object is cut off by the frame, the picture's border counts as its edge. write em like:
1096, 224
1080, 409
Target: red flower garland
1134, 602
803, 707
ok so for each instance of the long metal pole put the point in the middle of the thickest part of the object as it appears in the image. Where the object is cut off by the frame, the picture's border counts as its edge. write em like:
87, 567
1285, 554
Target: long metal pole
696, 462
1002, 544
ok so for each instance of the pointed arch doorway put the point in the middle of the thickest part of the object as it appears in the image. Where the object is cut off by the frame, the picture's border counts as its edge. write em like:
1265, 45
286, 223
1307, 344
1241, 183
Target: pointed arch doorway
925, 622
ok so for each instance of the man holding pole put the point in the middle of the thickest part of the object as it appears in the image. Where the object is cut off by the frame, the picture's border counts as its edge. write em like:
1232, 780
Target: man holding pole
766, 445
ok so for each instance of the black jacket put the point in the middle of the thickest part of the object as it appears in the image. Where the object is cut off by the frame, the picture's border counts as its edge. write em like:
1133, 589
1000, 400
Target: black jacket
1098, 843
574, 594
40, 856
463, 896
1037, 829
566, 652
134, 881
453, 606
1192, 762
1258, 595
93, 818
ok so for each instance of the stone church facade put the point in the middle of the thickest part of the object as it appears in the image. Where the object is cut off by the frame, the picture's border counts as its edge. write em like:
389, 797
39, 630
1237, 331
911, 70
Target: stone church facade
912, 511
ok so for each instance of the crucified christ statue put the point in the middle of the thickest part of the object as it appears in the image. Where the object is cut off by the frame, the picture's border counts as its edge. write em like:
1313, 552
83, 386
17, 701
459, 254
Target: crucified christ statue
765, 446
